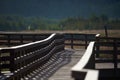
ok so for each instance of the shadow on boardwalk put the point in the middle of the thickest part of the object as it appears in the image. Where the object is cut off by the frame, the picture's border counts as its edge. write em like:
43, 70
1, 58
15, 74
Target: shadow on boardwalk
64, 73
56, 62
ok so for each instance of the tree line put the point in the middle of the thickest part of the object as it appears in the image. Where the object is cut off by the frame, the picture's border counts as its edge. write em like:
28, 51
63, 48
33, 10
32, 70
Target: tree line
19, 23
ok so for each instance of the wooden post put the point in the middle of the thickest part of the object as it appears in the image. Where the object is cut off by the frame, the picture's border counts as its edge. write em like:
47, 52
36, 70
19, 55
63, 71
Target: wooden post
12, 65
0, 62
115, 57
21, 39
86, 41
72, 41
106, 33
97, 45
8, 38
33, 36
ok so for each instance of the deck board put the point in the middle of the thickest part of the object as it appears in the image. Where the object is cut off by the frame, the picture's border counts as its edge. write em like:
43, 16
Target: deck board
59, 66
64, 73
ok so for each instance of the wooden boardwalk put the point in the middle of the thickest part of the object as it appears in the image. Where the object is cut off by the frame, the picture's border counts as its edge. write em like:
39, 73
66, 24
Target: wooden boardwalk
58, 68
64, 73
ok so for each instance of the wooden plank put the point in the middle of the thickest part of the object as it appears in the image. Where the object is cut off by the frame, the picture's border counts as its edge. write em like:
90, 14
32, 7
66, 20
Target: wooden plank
64, 73
104, 61
104, 52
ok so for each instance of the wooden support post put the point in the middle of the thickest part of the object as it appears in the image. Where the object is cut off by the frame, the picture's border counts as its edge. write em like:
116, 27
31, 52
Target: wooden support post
97, 46
72, 41
85, 41
115, 56
0, 62
21, 39
33, 36
8, 38
12, 65
106, 33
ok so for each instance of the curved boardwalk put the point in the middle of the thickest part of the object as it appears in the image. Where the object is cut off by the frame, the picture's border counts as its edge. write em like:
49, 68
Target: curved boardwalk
58, 67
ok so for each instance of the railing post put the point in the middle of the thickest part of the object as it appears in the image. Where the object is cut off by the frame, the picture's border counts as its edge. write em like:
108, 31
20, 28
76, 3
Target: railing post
0, 61
72, 41
8, 38
33, 36
93, 57
97, 45
115, 56
12, 65
21, 39
85, 41
106, 33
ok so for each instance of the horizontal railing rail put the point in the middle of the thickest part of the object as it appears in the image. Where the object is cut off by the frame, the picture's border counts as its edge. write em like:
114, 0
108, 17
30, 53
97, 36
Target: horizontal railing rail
108, 51
72, 40
78, 39
84, 69
109, 47
20, 60
14, 38
17, 61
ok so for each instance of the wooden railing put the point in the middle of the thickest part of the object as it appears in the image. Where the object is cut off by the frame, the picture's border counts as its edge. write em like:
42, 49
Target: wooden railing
84, 69
104, 50
72, 40
108, 51
20, 60
14, 38
23, 59
75, 40
108, 46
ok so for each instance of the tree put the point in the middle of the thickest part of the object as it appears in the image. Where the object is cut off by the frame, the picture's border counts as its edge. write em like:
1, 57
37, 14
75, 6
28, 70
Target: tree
94, 18
103, 18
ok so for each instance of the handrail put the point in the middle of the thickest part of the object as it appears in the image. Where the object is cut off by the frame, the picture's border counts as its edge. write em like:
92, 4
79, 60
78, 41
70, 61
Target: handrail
23, 59
37, 42
97, 35
72, 40
14, 38
85, 67
78, 39
108, 46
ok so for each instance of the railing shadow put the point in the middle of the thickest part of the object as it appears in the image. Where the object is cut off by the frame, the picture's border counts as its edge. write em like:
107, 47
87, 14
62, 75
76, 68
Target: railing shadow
56, 62
24, 59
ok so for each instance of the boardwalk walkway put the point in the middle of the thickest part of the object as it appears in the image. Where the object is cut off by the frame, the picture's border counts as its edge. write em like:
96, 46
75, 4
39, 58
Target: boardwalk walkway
64, 72
58, 68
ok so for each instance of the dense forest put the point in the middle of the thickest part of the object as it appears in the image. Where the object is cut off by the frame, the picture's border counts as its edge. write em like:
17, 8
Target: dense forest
19, 23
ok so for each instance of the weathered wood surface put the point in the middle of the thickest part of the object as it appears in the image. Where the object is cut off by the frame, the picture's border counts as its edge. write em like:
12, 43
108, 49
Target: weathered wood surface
58, 67
21, 60
64, 73
106, 65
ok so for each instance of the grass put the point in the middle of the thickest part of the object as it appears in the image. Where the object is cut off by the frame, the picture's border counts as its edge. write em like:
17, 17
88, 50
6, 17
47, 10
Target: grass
111, 33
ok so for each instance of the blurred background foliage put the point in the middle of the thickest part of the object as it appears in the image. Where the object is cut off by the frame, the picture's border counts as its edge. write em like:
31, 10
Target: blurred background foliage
19, 23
